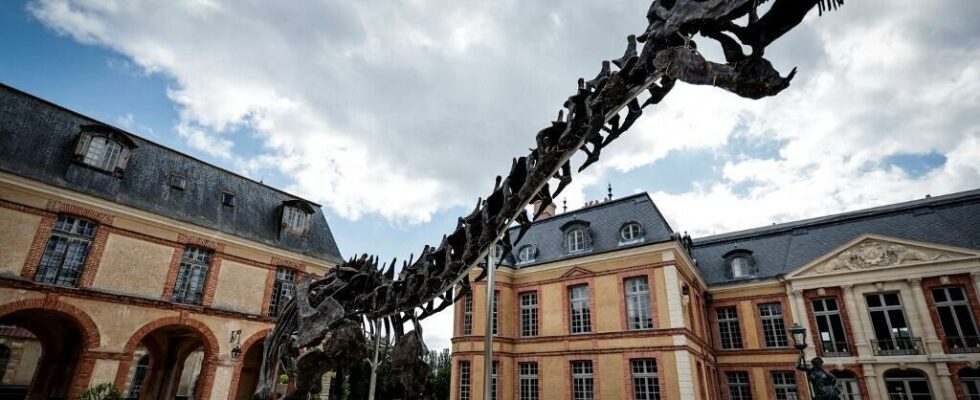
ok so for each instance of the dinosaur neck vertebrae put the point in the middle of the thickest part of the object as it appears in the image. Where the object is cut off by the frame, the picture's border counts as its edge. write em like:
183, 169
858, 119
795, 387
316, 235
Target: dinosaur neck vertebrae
321, 329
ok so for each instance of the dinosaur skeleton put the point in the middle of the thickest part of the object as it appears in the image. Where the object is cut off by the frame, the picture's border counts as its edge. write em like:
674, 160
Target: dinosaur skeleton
320, 329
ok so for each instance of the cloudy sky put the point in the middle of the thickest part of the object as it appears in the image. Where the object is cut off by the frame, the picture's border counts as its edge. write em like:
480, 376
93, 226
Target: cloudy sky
396, 115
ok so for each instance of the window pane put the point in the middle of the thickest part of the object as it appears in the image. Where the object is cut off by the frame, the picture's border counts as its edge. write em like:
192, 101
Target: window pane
638, 313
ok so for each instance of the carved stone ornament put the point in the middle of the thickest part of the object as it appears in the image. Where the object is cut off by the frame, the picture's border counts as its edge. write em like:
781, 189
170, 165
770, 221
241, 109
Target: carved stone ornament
875, 254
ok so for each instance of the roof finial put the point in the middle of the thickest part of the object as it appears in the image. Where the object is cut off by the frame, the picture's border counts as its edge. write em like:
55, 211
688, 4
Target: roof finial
609, 188
564, 205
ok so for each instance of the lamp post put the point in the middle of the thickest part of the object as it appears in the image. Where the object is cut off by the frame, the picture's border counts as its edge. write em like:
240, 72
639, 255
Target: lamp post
823, 385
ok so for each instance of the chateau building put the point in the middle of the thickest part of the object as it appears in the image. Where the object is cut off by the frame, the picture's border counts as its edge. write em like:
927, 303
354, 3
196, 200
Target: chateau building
125, 262
608, 302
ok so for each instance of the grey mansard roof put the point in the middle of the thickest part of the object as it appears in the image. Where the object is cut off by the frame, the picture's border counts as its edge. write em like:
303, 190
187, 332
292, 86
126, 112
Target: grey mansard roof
952, 220
604, 221
37, 141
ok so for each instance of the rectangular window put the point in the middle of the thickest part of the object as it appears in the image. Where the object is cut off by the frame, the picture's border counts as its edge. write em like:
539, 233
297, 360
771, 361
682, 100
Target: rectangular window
178, 181
646, 382
496, 300
228, 199
189, 287
579, 313
66, 251
773, 327
830, 328
468, 314
494, 381
738, 385
955, 315
638, 313
892, 333
464, 380
583, 381
728, 330
529, 314
784, 385
282, 290
528, 376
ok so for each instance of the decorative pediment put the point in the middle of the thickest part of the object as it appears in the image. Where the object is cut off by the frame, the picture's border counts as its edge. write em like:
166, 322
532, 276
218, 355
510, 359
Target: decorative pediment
575, 272
875, 252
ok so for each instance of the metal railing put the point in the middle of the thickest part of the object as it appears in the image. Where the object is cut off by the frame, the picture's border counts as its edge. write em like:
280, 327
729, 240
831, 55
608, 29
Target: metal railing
835, 349
963, 344
898, 346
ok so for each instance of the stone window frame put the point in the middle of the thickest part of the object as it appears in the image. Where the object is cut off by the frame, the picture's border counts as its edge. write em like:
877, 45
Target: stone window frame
534, 316
836, 293
773, 387
647, 295
533, 253
725, 371
576, 226
637, 238
769, 326
521, 376
963, 280
719, 344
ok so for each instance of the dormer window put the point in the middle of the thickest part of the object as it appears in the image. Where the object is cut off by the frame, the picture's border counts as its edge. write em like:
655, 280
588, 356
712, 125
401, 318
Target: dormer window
741, 264
576, 235
103, 153
631, 232
178, 181
227, 199
526, 254
296, 217
740, 267
104, 148
575, 240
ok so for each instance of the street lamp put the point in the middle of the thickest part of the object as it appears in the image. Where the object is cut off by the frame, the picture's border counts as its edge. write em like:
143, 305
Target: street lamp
799, 336
823, 385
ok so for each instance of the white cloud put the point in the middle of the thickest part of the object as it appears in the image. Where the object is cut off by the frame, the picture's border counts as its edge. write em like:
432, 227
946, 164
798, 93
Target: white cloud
404, 109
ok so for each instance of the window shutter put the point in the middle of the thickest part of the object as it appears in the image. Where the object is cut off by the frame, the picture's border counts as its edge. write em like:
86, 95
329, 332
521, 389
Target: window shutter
123, 160
82, 146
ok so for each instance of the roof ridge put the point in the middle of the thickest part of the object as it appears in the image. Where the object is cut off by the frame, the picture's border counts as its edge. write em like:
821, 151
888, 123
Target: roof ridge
151, 142
591, 208
841, 217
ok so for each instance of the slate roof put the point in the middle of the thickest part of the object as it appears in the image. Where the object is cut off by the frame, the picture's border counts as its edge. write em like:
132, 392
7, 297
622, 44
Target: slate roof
604, 221
952, 220
37, 141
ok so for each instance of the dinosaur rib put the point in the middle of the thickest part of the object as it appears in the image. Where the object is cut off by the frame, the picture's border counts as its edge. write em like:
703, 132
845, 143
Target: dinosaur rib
321, 314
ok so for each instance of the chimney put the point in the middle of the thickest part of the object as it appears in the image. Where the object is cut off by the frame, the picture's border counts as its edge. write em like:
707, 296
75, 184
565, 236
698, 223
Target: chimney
549, 210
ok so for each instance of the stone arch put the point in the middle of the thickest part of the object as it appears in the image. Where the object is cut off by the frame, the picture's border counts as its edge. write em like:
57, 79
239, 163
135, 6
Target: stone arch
90, 331
80, 369
251, 341
209, 342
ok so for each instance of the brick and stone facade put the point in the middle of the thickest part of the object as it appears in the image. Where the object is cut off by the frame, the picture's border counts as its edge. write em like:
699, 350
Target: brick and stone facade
121, 306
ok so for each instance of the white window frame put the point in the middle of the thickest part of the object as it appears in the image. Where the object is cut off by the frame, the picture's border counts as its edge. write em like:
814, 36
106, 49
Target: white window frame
639, 315
579, 310
529, 314
102, 153
526, 254
630, 233
575, 240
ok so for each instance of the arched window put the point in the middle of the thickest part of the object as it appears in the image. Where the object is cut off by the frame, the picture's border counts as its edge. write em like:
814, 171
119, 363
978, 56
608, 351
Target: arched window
970, 380
575, 240
907, 384
631, 232
139, 376
848, 385
104, 148
526, 253
4, 360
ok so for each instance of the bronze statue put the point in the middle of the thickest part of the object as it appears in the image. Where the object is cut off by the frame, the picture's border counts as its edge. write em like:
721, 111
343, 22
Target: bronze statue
822, 383
359, 292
